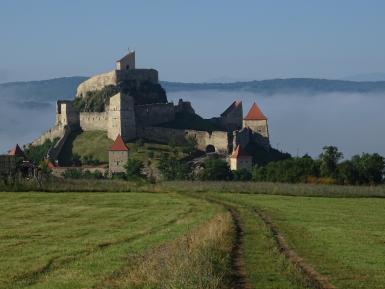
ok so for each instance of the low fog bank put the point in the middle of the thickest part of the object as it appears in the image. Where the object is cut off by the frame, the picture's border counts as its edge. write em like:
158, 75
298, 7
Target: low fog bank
305, 123
23, 123
298, 123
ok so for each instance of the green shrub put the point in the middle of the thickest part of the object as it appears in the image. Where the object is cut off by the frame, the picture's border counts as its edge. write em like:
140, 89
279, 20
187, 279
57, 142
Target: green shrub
134, 169
241, 175
173, 169
215, 169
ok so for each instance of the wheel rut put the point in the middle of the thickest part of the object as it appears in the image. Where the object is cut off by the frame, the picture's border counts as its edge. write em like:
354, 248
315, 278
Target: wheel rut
314, 278
238, 269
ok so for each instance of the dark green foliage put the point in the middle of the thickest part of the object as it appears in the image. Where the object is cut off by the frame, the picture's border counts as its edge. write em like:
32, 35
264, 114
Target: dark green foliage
173, 169
215, 169
37, 153
134, 169
292, 170
242, 175
191, 121
261, 156
362, 169
95, 101
329, 159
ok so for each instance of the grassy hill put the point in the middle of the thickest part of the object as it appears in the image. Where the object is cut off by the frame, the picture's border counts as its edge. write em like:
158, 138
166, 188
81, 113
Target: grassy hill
93, 146
89, 144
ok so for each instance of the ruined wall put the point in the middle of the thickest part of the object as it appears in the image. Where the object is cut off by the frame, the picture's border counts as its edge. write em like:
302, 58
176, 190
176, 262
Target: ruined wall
121, 117
97, 82
93, 121
154, 114
52, 133
218, 139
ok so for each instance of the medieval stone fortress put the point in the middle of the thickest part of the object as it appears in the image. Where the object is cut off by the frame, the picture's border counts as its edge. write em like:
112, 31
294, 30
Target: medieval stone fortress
128, 102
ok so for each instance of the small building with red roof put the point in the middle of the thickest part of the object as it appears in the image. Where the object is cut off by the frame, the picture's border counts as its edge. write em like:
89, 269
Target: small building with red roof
256, 121
240, 159
118, 156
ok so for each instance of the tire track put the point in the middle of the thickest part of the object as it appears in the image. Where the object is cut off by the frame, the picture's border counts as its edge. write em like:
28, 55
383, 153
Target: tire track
314, 278
238, 269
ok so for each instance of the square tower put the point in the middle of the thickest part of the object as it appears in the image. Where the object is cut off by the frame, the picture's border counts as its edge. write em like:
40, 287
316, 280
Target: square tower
117, 156
127, 62
121, 117
256, 121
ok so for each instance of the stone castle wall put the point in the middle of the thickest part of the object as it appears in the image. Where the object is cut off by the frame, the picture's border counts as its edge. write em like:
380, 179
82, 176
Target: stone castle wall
219, 139
113, 77
93, 121
154, 114
51, 134
97, 82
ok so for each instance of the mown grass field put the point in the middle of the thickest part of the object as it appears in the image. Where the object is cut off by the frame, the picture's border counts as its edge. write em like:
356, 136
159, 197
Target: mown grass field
343, 238
80, 240
177, 235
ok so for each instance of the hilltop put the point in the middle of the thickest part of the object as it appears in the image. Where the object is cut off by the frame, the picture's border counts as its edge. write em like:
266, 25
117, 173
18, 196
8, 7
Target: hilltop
44, 91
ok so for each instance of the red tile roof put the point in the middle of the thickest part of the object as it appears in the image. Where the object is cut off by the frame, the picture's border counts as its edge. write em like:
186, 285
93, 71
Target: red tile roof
16, 151
239, 153
255, 113
119, 145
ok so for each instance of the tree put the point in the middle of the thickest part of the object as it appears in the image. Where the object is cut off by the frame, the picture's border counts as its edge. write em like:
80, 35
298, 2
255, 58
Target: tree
329, 159
215, 169
134, 169
173, 169
369, 168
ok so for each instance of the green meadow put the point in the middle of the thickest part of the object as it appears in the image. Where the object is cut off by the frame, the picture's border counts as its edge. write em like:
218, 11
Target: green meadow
189, 238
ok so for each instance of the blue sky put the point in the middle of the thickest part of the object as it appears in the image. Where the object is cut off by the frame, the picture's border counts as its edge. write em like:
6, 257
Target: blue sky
193, 40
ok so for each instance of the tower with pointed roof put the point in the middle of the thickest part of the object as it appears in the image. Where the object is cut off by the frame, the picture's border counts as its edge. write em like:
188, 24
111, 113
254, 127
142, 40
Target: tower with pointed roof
118, 156
256, 121
239, 159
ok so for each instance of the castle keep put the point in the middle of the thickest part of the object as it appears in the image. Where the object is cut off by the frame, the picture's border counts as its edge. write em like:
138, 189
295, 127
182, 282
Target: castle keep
130, 103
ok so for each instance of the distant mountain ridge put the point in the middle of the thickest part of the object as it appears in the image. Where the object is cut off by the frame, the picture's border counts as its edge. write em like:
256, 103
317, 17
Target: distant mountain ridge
48, 91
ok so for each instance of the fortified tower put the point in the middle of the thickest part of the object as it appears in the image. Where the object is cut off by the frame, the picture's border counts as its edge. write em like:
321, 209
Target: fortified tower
121, 117
256, 121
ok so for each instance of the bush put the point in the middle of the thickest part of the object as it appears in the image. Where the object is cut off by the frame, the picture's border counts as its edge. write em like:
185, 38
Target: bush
38, 153
134, 169
215, 169
173, 169
292, 170
242, 175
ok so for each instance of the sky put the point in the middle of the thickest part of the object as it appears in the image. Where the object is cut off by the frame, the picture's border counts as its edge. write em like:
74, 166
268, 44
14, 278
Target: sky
193, 41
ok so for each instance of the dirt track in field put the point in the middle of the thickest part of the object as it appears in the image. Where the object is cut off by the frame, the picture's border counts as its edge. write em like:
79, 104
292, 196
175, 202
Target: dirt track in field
315, 279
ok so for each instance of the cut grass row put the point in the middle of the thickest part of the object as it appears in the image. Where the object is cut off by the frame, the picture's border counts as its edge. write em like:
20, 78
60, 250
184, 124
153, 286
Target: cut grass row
76, 240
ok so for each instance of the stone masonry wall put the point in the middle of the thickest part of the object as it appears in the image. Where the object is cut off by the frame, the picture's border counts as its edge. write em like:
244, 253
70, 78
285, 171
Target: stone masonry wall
218, 139
154, 114
97, 82
52, 133
93, 121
